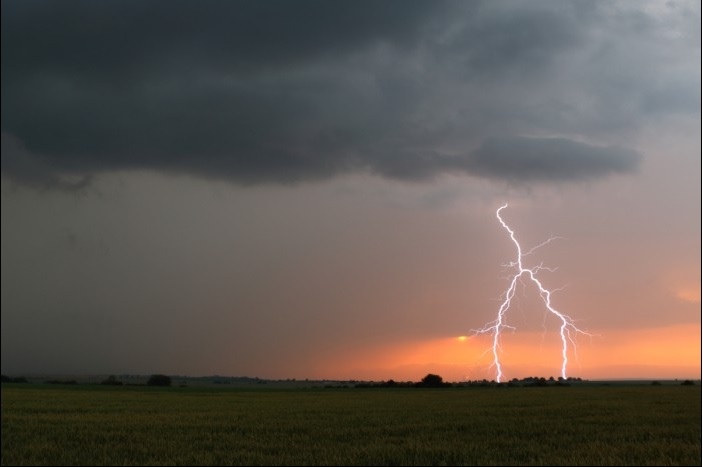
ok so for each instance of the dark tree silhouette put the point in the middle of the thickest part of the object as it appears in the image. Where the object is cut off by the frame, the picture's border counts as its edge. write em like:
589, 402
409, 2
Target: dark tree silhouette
111, 381
432, 381
158, 380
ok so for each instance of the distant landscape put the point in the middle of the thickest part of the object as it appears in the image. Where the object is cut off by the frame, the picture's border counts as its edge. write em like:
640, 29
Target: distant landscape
248, 381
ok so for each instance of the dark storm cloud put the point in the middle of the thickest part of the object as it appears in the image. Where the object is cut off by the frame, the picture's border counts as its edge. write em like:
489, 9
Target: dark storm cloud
126, 37
548, 159
32, 170
288, 91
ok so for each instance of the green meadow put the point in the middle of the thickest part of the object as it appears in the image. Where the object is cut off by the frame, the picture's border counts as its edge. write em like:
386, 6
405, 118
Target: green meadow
593, 425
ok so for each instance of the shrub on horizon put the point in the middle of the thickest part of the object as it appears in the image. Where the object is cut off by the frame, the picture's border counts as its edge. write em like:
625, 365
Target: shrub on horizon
159, 380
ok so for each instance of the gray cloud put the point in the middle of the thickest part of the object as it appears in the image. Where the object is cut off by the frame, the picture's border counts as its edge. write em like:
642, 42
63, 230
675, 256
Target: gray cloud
29, 169
142, 37
289, 91
548, 159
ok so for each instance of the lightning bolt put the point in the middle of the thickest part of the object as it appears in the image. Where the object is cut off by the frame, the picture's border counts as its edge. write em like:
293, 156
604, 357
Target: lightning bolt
567, 330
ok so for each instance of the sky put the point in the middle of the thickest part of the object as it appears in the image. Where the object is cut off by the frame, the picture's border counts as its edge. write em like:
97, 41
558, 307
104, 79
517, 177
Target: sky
308, 189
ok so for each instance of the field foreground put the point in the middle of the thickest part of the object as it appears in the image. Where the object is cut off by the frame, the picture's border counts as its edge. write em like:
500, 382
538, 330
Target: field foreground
93, 425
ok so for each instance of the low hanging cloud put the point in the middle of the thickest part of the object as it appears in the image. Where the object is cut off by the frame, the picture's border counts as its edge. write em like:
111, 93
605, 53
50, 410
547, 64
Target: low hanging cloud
548, 159
282, 92
31, 170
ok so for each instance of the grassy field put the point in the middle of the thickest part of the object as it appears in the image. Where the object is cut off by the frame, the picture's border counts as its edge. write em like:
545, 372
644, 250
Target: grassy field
619, 425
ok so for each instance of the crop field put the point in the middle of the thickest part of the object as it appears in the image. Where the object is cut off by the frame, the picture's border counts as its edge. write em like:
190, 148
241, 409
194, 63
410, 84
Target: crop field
96, 425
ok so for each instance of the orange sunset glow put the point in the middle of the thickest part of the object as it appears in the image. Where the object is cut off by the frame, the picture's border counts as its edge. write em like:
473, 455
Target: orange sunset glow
665, 353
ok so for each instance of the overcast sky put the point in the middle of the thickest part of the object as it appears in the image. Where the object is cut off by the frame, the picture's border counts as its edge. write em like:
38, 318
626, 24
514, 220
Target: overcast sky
308, 189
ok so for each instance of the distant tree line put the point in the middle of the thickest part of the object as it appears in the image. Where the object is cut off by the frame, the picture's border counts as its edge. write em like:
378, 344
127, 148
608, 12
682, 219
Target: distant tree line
429, 381
9, 379
436, 381
154, 380
686, 382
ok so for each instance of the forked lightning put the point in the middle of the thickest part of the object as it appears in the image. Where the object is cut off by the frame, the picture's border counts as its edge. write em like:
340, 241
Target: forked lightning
567, 329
